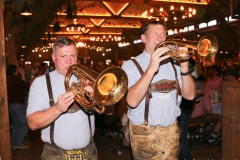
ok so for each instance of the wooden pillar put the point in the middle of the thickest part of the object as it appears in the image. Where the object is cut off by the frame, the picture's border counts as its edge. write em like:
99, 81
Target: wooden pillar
230, 121
5, 145
10, 33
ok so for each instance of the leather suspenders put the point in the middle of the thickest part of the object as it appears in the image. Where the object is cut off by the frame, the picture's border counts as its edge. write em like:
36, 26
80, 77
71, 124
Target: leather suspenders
178, 91
149, 95
51, 102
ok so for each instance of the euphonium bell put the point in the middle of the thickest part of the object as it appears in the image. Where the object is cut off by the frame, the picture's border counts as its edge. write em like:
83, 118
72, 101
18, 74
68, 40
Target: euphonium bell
109, 86
206, 48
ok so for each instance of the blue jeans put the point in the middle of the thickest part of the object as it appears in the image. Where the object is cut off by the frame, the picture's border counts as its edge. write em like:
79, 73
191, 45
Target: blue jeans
185, 153
18, 122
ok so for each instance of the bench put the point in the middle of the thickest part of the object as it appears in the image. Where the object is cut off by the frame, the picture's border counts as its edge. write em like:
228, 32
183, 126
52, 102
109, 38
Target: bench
203, 119
194, 123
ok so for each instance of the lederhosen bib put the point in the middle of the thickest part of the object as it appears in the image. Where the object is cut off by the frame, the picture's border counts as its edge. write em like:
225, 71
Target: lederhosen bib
163, 86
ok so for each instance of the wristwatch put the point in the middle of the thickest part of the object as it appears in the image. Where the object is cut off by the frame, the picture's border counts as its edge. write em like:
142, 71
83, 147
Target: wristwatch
186, 73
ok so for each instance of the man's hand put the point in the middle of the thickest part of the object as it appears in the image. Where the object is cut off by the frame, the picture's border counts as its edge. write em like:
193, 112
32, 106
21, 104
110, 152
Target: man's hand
89, 90
184, 64
64, 101
157, 57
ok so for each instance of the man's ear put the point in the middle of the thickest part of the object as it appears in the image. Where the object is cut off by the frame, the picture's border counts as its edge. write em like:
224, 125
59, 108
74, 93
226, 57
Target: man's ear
143, 37
53, 57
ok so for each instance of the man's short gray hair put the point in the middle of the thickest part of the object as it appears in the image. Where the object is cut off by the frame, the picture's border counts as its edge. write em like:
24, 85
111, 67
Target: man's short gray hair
61, 42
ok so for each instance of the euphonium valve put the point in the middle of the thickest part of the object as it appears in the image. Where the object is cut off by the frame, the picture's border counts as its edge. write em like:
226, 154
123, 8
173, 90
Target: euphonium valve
109, 86
206, 48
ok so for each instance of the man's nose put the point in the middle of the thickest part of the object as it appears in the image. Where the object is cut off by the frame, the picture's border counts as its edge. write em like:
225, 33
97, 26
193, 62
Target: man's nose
68, 60
160, 37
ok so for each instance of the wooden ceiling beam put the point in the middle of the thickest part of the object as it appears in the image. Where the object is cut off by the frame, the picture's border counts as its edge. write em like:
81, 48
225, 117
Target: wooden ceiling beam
122, 1
230, 36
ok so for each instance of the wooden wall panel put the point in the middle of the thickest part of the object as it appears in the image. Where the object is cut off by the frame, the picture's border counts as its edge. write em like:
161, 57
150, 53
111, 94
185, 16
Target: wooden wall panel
5, 143
231, 121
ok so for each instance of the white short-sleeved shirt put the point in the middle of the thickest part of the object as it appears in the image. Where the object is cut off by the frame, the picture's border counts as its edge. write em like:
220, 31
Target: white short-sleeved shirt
163, 107
71, 130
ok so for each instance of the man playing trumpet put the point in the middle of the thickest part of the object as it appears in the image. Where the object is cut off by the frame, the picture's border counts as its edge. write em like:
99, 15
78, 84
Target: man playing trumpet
154, 97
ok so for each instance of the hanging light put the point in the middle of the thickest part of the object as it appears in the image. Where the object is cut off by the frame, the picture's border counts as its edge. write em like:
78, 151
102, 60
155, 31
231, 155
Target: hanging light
69, 11
56, 27
161, 9
105, 38
23, 46
181, 8
175, 13
172, 7
75, 27
26, 11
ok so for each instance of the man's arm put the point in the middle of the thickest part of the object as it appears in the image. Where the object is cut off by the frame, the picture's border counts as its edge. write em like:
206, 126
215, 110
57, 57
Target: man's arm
136, 93
188, 84
41, 119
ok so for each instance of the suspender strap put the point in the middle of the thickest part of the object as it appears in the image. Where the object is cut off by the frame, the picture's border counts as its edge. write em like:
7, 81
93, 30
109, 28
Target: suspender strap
90, 126
51, 102
178, 91
148, 94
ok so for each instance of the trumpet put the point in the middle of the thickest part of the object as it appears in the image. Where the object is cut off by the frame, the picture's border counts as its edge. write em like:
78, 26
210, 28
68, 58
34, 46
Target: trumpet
206, 48
109, 87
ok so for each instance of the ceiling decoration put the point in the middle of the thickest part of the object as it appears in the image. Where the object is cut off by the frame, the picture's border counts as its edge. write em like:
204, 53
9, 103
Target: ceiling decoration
122, 19
116, 8
75, 27
96, 15
180, 13
202, 2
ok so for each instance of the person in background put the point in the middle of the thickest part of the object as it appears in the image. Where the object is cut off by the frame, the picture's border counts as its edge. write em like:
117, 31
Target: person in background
42, 68
28, 70
71, 136
21, 70
17, 89
35, 69
216, 134
50, 68
156, 122
209, 103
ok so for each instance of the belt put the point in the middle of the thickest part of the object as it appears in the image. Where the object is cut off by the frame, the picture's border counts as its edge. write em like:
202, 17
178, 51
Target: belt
163, 86
75, 154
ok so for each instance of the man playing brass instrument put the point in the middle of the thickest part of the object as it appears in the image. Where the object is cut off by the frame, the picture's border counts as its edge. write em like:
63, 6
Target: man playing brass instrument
67, 135
154, 95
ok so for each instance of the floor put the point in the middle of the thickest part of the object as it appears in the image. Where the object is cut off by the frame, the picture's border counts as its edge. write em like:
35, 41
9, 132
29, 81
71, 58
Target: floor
109, 148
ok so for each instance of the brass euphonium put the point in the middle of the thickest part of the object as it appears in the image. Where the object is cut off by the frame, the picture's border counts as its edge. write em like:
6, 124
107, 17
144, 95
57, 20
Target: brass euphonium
206, 48
109, 86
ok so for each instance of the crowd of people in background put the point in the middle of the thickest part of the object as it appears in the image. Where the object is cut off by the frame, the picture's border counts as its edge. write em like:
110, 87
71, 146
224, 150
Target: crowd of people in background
209, 82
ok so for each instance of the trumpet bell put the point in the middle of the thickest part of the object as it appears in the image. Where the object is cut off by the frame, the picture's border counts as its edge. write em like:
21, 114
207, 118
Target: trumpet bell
207, 47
